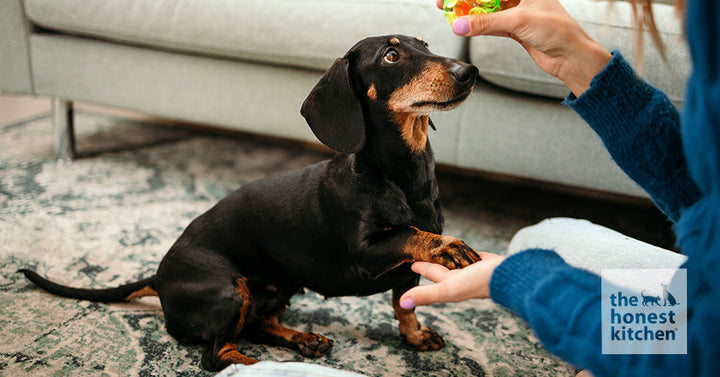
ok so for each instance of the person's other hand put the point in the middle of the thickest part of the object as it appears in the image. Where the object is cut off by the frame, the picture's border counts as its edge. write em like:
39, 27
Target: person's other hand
462, 284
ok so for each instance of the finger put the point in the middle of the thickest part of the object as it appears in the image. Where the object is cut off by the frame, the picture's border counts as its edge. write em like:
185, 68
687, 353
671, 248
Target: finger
432, 271
501, 24
484, 255
439, 3
424, 295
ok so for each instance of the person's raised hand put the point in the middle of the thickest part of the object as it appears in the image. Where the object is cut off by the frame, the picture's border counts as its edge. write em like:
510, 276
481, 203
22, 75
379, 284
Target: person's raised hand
554, 40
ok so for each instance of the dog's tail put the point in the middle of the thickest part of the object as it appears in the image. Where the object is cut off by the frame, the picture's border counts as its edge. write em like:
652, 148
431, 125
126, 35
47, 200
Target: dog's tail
127, 292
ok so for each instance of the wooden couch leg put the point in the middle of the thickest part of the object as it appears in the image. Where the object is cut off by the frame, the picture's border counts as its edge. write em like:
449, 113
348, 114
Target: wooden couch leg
62, 118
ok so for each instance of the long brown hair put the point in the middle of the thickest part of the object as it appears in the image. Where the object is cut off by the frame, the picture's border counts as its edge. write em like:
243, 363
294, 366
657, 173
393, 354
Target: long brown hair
643, 19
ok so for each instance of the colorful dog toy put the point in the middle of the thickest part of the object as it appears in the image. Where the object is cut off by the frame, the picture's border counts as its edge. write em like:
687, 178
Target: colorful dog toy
458, 8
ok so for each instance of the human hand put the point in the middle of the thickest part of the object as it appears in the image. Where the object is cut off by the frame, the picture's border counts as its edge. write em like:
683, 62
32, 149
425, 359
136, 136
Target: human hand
462, 284
552, 38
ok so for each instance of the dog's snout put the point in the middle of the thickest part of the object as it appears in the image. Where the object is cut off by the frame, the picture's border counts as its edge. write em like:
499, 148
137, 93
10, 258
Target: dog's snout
464, 73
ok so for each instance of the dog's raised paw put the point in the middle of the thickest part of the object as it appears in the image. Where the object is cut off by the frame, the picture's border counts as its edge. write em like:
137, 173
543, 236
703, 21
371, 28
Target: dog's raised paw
314, 345
456, 254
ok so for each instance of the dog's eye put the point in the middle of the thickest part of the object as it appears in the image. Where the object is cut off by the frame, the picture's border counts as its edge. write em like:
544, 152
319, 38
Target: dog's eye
391, 56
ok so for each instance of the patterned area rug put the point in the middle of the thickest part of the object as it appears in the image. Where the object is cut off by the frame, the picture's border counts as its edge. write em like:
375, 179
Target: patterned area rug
109, 217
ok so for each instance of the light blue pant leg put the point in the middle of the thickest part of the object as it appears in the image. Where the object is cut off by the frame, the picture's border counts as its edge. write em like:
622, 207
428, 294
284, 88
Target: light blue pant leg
592, 247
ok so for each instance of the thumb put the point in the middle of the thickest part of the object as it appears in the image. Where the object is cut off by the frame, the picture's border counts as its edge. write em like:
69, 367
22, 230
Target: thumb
501, 24
423, 295
431, 271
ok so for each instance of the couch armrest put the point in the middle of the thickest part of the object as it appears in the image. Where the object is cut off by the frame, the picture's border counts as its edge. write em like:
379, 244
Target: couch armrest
15, 73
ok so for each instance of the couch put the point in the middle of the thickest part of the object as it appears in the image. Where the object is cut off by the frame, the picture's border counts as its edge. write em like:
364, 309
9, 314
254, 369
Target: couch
248, 65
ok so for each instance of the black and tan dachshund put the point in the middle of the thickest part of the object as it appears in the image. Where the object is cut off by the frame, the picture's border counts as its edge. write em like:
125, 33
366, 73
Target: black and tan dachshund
350, 225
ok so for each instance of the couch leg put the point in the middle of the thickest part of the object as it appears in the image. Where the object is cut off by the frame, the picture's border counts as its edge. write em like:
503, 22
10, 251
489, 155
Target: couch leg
62, 117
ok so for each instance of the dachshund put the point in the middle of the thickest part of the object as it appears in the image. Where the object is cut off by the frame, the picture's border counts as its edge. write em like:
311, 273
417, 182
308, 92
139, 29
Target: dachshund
348, 226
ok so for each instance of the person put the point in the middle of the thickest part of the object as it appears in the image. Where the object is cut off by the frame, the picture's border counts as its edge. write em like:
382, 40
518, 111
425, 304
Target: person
674, 157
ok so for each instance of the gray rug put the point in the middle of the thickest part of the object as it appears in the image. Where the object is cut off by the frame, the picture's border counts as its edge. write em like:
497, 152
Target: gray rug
110, 216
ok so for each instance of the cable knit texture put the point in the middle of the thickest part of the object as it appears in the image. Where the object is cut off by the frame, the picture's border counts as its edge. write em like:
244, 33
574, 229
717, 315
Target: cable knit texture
640, 127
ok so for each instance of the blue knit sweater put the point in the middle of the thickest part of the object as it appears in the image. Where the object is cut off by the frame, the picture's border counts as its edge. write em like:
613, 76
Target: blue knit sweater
676, 159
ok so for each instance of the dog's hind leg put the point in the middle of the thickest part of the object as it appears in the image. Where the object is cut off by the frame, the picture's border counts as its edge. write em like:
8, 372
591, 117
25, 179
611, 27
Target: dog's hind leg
412, 331
222, 351
270, 331
219, 355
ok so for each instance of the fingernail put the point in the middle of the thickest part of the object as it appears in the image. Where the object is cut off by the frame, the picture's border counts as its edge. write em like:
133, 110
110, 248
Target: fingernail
461, 26
407, 304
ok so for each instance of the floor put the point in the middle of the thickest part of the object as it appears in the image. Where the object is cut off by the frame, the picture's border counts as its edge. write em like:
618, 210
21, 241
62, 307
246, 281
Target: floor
16, 108
13, 109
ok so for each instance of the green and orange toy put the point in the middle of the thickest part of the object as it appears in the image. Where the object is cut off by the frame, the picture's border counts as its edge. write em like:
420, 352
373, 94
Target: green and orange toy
458, 8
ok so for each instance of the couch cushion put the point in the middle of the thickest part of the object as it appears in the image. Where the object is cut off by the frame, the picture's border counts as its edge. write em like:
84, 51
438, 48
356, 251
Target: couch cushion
505, 63
308, 34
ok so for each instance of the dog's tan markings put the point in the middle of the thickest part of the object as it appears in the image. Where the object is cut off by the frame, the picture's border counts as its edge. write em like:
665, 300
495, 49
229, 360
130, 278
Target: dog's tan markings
429, 247
229, 352
412, 102
448, 251
419, 38
372, 92
412, 331
309, 344
142, 292
244, 292
432, 85
413, 129
394, 41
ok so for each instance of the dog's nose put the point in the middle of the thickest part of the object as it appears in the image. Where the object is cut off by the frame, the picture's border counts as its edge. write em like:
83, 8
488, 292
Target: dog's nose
464, 73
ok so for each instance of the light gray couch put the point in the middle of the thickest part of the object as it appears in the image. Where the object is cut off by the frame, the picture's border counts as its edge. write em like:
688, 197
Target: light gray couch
248, 65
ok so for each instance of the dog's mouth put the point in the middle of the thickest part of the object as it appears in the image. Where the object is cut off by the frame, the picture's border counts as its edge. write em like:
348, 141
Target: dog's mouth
442, 105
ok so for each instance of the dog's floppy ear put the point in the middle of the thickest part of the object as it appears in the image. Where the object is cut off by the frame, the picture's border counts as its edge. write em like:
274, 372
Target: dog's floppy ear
333, 111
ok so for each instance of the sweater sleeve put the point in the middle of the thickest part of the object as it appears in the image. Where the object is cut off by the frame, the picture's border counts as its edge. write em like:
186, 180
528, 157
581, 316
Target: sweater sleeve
562, 305
640, 128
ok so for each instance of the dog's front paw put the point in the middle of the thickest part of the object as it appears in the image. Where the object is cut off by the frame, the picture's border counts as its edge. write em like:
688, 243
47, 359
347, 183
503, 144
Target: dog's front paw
314, 345
424, 339
455, 254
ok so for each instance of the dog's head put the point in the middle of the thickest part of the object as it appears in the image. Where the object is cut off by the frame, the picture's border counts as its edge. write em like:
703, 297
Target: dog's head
396, 75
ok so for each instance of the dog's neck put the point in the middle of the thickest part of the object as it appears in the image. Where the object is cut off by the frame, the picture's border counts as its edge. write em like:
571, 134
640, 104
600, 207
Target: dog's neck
399, 149
414, 129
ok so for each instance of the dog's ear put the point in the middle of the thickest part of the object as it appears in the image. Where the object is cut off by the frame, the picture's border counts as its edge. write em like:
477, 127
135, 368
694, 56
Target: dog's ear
333, 110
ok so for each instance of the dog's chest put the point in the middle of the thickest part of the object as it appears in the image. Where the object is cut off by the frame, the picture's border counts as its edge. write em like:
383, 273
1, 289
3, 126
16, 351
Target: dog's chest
421, 210
428, 217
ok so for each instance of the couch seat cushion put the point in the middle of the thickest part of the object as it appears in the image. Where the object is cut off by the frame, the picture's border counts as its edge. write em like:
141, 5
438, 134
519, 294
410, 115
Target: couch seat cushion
308, 34
505, 63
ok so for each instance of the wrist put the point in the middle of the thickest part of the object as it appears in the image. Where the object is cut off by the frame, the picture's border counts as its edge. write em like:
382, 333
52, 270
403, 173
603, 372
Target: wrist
518, 276
487, 266
578, 71
615, 100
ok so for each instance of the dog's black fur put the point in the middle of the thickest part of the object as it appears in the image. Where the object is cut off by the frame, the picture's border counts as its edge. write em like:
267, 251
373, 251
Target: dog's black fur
350, 225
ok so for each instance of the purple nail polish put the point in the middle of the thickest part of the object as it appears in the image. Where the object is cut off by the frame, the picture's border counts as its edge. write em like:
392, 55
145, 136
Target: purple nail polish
461, 26
407, 304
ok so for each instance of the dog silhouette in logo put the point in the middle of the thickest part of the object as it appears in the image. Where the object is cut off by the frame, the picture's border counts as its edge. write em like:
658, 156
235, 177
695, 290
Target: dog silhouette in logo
650, 300
669, 298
